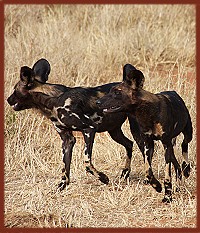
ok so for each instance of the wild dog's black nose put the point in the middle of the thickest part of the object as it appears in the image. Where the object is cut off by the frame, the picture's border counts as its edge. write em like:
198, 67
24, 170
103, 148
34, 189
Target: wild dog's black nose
98, 102
9, 100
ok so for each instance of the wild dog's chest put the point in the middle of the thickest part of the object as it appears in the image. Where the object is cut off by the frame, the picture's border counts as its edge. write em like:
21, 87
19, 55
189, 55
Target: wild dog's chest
149, 125
150, 118
156, 130
160, 120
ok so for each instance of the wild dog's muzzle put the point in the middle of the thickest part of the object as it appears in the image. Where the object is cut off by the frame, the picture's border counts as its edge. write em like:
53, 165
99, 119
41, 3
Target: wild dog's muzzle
14, 103
103, 103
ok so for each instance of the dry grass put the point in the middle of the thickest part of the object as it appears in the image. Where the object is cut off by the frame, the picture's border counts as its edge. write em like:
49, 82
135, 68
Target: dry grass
87, 45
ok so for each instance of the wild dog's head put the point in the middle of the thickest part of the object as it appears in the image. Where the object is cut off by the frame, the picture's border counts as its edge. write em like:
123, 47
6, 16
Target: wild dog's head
29, 77
125, 94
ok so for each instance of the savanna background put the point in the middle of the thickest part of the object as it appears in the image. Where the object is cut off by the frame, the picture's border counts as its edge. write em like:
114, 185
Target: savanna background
87, 45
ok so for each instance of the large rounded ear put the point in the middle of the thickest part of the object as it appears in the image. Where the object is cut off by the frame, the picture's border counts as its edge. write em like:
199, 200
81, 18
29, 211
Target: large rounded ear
127, 69
132, 76
27, 75
42, 70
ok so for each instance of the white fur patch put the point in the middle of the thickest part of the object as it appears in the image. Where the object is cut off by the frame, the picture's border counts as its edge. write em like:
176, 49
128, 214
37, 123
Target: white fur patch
145, 150
67, 109
146, 163
148, 132
74, 114
87, 135
86, 155
86, 158
95, 116
62, 116
86, 116
57, 129
67, 102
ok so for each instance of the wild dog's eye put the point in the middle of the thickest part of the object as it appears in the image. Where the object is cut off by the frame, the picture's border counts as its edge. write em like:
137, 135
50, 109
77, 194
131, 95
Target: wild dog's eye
118, 93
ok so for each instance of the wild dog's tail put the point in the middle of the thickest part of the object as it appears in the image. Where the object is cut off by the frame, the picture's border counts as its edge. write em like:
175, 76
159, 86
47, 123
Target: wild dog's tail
187, 132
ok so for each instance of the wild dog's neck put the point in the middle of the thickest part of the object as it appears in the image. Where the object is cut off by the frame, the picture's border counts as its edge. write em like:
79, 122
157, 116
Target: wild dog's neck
53, 90
44, 102
46, 96
148, 106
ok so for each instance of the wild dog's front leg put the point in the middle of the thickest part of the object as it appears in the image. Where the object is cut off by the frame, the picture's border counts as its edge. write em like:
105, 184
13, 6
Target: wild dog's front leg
118, 136
89, 140
67, 146
148, 154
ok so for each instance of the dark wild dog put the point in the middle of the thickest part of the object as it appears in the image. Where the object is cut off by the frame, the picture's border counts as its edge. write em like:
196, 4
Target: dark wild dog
72, 109
161, 116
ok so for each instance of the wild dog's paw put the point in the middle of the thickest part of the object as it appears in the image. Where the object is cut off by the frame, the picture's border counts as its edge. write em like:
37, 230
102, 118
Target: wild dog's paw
146, 181
168, 192
155, 184
62, 185
125, 173
64, 182
167, 199
186, 169
103, 178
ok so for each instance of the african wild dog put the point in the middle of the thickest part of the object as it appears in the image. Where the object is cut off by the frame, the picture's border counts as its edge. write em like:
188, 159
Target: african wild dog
161, 116
72, 109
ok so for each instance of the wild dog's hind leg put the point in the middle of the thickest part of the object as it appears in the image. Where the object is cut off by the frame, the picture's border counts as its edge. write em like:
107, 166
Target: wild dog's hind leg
169, 154
118, 136
176, 165
187, 132
67, 146
89, 140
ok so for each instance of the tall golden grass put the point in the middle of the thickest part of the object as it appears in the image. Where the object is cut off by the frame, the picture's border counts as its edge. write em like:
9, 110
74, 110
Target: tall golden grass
87, 45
